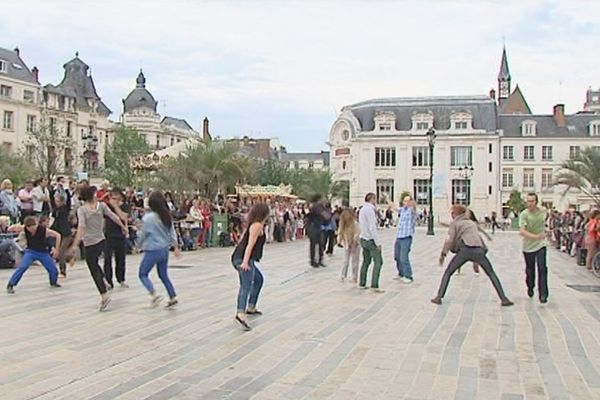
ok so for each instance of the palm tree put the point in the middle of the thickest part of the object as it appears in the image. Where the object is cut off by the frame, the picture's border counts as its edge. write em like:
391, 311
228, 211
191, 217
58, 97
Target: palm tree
583, 173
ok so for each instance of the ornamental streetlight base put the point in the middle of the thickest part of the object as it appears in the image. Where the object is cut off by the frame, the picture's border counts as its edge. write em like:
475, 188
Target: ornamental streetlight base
430, 227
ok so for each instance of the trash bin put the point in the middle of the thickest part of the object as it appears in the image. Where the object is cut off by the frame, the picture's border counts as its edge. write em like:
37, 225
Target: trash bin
219, 225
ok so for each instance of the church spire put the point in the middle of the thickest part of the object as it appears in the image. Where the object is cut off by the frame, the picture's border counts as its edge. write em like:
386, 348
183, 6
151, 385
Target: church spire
503, 78
141, 80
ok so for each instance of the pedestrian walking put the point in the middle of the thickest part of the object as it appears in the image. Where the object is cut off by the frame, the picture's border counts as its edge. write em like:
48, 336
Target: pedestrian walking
407, 218
464, 240
531, 227
157, 237
245, 260
37, 250
115, 239
90, 232
370, 242
349, 237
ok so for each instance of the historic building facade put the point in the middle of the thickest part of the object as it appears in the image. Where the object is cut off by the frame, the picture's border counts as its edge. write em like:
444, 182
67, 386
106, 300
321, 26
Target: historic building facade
484, 148
139, 112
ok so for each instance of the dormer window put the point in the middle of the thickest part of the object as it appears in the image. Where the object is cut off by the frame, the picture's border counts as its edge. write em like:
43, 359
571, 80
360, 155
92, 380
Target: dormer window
3, 66
461, 121
384, 120
422, 121
528, 128
595, 128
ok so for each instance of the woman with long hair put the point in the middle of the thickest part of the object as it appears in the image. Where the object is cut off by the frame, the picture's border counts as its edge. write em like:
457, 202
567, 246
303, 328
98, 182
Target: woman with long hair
245, 260
348, 236
158, 236
90, 231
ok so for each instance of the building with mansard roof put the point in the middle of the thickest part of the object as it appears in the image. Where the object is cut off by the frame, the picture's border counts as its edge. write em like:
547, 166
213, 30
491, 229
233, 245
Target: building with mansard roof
485, 147
140, 112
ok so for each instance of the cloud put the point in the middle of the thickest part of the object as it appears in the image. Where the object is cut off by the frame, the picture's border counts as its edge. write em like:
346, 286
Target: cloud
279, 67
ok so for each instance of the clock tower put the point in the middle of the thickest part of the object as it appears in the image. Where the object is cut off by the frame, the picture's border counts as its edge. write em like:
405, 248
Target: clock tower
503, 79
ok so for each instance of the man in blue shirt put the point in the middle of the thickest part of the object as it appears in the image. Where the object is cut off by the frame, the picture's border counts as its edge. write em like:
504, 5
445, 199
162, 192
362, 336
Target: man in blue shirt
407, 217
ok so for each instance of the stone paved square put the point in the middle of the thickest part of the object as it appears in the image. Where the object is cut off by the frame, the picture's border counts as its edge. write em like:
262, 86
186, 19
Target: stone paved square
318, 338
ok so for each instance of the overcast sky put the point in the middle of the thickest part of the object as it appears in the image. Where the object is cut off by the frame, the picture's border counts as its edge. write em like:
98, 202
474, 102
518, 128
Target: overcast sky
285, 68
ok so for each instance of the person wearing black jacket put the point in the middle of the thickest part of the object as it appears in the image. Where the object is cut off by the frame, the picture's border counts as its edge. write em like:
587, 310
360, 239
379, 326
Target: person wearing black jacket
315, 219
62, 225
115, 240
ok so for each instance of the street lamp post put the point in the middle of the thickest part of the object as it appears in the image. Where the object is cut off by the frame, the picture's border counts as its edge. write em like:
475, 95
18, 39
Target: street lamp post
466, 172
431, 139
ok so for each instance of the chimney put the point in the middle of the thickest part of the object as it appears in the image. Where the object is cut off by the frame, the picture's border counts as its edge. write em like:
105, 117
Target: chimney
205, 134
559, 115
36, 73
493, 94
16, 50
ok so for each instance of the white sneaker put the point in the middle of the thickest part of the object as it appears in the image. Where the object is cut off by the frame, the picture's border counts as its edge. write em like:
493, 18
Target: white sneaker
406, 280
397, 277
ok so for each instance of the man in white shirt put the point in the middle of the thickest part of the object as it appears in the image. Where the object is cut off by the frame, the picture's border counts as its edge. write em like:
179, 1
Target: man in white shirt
370, 242
41, 197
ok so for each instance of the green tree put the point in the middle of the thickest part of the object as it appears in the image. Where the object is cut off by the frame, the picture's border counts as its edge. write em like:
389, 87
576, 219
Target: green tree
49, 151
272, 172
341, 190
582, 173
403, 195
127, 145
515, 202
15, 168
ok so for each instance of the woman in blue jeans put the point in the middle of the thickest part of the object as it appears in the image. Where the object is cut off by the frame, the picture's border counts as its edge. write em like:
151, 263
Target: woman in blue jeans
245, 259
158, 236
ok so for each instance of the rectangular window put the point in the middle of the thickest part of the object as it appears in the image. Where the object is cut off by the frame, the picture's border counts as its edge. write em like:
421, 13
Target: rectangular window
31, 120
69, 126
490, 148
385, 127
507, 178
490, 166
385, 157
8, 120
547, 153
461, 156
528, 153
490, 190
546, 178
508, 153
311, 164
421, 191
461, 191
422, 126
2, 66
52, 124
595, 129
573, 152
528, 181
461, 125
420, 156
172, 141
68, 158
385, 190
28, 96
6, 91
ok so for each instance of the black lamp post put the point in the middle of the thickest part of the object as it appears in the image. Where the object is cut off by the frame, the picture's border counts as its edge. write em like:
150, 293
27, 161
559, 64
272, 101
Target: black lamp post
431, 139
466, 172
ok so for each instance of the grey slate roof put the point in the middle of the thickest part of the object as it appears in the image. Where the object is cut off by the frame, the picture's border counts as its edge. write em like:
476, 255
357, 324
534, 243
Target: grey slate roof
482, 108
140, 96
504, 74
176, 122
21, 72
576, 125
324, 155
77, 83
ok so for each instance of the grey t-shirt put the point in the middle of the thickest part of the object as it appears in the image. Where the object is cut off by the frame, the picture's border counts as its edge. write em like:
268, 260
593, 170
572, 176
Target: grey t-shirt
93, 222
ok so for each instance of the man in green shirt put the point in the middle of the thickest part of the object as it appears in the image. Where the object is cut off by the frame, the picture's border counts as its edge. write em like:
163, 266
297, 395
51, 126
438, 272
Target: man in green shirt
531, 223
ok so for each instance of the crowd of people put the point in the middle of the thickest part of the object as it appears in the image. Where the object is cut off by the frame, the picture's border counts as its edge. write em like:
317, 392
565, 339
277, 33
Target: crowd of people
54, 224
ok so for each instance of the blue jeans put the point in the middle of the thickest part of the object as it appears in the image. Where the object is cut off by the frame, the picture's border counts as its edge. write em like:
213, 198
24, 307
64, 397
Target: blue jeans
160, 258
251, 282
401, 250
28, 258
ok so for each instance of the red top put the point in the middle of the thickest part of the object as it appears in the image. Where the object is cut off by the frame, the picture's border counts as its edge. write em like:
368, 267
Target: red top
591, 229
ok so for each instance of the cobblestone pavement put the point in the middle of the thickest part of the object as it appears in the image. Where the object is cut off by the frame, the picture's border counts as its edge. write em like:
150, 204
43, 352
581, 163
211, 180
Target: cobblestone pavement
318, 338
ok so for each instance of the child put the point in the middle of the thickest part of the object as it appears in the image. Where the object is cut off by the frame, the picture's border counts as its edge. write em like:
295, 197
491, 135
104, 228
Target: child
349, 237
37, 250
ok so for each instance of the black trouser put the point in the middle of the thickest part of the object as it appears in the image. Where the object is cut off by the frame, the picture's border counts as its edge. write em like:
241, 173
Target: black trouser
114, 246
531, 259
25, 214
475, 254
92, 253
329, 237
315, 238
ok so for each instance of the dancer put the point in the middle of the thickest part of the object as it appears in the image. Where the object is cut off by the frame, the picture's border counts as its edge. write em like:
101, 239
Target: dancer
245, 259
407, 218
316, 217
464, 240
115, 240
62, 225
471, 215
37, 250
531, 224
370, 242
90, 232
158, 236
349, 238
